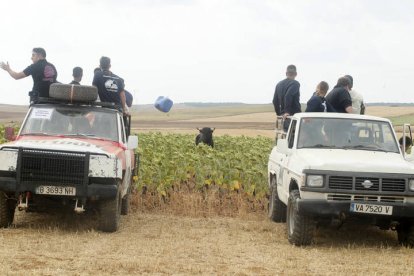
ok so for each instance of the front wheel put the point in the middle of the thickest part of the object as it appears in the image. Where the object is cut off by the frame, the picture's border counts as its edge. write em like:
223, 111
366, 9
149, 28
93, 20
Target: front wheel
277, 209
405, 232
300, 227
110, 213
7, 208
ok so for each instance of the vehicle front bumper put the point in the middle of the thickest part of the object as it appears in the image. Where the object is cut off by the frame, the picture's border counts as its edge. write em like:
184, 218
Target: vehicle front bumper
325, 208
103, 191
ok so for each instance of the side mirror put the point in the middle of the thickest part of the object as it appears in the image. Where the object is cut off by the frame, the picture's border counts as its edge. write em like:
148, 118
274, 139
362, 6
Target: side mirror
282, 146
132, 142
9, 134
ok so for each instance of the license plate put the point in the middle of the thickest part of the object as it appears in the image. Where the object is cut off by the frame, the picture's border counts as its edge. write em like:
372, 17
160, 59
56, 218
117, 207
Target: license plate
371, 209
56, 190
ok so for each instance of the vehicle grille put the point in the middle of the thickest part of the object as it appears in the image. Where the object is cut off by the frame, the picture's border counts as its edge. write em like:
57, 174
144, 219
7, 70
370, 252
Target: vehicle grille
339, 197
377, 184
52, 167
340, 182
366, 198
393, 185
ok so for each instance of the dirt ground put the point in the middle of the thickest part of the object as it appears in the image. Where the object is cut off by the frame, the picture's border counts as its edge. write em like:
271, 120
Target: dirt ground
187, 243
161, 243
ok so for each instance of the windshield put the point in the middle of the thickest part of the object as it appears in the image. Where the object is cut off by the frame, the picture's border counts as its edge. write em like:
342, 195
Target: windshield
70, 121
346, 134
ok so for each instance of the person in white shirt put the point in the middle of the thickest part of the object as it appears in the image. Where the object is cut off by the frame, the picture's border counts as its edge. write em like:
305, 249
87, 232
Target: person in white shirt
358, 106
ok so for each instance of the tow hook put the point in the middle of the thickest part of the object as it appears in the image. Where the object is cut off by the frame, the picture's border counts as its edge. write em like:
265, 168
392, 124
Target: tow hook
79, 209
23, 205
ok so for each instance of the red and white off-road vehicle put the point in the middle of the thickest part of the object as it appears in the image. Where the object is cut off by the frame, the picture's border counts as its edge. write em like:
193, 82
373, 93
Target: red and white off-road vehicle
70, 151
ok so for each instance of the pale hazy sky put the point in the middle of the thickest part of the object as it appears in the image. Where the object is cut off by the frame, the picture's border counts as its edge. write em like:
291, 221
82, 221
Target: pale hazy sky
215, 50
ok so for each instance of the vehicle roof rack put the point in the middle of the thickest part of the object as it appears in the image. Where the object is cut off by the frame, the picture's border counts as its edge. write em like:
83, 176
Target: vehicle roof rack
43, 100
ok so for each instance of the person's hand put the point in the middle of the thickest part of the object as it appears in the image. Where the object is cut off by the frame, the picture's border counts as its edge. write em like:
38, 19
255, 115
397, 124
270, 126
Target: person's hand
285, 115
5, 66
125, 111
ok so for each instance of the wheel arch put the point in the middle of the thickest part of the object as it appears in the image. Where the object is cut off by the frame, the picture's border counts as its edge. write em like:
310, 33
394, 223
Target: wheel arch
272, 177
293, 185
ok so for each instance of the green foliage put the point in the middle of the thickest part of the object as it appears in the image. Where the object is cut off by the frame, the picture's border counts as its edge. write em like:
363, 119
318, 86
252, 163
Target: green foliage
403, 119
169, 161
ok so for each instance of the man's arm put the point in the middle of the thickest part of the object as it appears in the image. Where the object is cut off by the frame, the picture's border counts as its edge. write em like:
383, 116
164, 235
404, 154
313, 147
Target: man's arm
123, 102
292, 95
276, 104
13, 74
347, 102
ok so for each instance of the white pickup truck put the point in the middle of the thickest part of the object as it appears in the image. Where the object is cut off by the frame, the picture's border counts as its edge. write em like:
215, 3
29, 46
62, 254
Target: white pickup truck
331, 166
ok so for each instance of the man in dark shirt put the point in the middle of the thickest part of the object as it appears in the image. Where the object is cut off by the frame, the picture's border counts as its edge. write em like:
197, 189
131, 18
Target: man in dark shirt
77, 75
42, 72
339, 97
318, 103
286, 97
110, 86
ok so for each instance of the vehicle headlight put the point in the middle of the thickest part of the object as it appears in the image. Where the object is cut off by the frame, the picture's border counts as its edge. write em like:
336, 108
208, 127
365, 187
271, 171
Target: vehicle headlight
315, 181
411, 185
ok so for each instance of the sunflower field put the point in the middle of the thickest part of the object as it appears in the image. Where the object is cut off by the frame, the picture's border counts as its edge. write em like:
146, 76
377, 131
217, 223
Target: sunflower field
170, 162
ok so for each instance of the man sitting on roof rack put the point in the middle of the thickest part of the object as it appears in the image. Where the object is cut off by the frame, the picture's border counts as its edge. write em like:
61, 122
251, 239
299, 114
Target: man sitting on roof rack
110, 86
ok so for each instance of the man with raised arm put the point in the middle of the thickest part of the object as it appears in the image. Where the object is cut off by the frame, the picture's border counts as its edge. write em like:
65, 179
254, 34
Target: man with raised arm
43, 73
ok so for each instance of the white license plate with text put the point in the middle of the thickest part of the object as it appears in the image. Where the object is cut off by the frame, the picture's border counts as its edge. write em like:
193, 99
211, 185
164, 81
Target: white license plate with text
371, 209
56, 190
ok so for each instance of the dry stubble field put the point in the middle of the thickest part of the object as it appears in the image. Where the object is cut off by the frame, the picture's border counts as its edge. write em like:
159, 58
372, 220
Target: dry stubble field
189, 241
163, 243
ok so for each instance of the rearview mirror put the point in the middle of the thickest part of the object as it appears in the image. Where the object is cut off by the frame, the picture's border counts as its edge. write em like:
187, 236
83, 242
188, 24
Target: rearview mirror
132, 142
282, 146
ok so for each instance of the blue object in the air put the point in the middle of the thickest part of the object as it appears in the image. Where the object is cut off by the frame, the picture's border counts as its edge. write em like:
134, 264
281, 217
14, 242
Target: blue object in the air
163, 104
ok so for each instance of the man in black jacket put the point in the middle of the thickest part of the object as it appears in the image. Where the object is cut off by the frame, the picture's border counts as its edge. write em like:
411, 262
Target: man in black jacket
339, 97
42, 72
318, 103
287, 95
110, 86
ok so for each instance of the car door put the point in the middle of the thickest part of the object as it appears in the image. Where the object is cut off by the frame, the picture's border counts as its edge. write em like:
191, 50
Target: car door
284, 174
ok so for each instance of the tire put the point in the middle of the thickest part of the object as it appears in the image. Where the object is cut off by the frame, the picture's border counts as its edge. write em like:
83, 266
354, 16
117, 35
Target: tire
277, 209
73, 93
300, 227
405, 232
110, 213
7, 209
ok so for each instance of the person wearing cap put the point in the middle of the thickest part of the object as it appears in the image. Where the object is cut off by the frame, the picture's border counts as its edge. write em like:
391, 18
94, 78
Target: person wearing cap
408, 144
110, 86
357, 99
77, 75
339, 97
43, 73
287, 95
